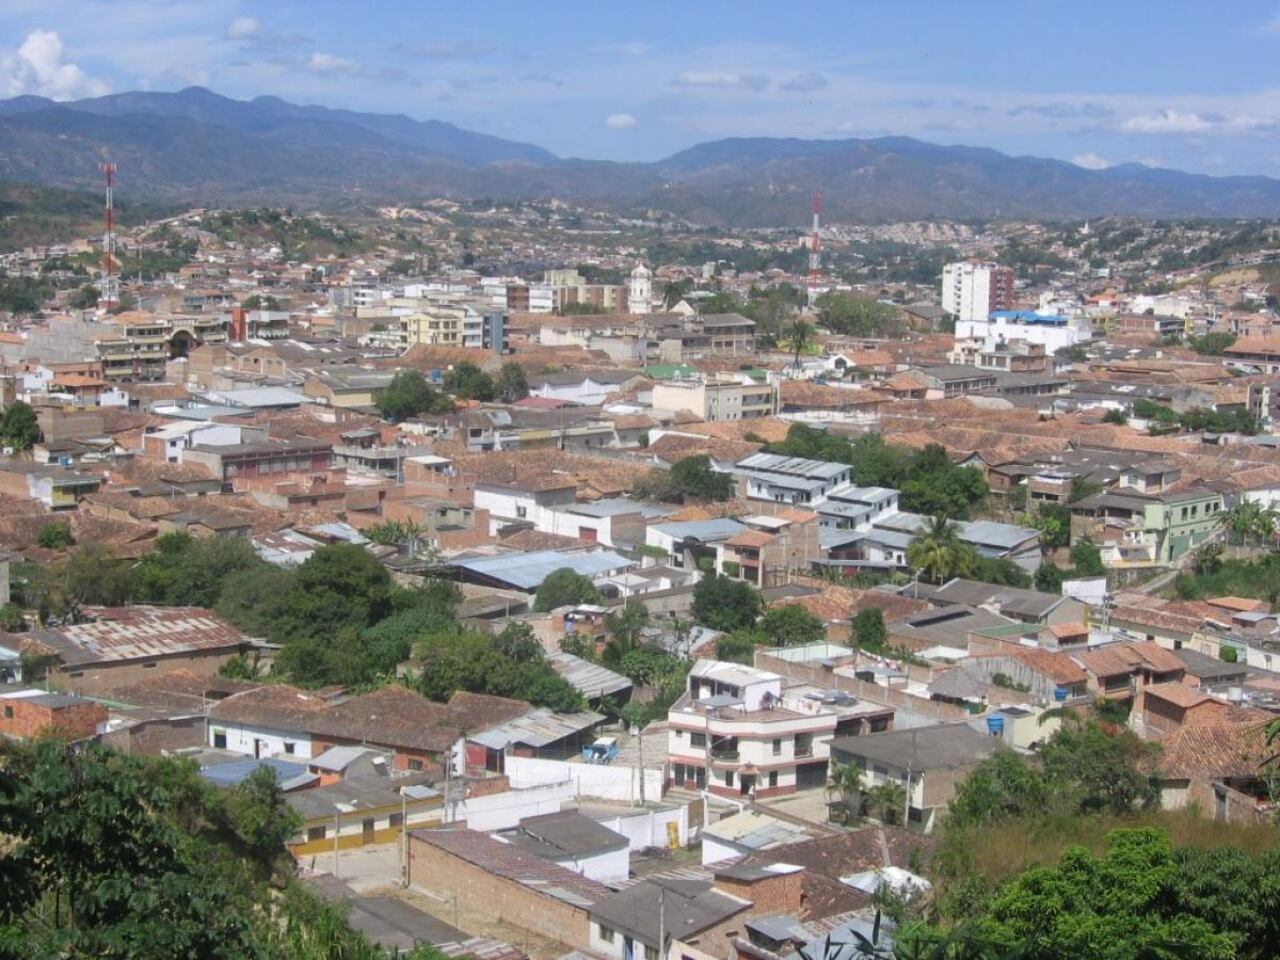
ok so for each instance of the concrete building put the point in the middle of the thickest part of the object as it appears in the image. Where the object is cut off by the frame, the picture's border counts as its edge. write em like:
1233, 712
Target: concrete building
972, 289
640, 290
737, 734
928, 762
718, 398
1001, 326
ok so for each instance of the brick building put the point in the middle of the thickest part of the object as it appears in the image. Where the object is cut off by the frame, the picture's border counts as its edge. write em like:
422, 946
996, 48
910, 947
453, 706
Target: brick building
516, 887
119, 646
28, 714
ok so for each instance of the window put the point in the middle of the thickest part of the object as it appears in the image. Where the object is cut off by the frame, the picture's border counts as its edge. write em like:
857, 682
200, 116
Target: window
395, 820
679, 734
220, 739
315, 833
650, 953
606, 933
522, 512
697, 739
288, 746
149, 666
728, 778
415, 764
773, 778
777, 746
8, 713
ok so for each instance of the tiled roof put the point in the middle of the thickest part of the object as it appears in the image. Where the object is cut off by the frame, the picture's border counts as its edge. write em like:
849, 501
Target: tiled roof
273, 705
511, 863
1214, 750
1058, 667
1128, 657
1179, 694
181, 690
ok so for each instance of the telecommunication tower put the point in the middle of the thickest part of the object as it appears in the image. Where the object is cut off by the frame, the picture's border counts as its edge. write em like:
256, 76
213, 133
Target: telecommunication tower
110, 282
815, 248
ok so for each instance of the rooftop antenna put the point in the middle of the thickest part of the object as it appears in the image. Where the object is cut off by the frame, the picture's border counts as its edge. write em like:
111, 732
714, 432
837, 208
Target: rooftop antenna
815, 248
110, 283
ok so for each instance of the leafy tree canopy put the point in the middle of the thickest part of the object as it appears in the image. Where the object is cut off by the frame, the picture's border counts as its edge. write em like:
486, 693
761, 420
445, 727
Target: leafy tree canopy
724, 604
564, 588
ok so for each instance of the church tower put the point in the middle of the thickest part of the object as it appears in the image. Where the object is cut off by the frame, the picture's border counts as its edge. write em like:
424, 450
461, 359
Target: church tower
640, 290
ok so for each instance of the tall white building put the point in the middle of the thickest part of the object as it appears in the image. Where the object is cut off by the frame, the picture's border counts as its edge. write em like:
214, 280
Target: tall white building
972, 289
640, 290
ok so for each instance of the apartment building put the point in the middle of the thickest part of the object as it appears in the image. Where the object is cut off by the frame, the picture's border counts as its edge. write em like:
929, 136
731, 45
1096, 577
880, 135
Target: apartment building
972, 289
1136, 529
736, 733
718, 398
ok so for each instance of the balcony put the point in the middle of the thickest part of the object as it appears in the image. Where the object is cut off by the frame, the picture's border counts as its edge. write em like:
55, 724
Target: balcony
725, 752
803, 752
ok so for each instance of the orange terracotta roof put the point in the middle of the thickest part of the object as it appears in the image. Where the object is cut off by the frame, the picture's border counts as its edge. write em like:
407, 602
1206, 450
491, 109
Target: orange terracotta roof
1214, 750
1180, 695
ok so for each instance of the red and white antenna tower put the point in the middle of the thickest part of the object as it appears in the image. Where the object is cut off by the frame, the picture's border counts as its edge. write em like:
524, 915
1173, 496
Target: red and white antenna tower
110, 282
815, 248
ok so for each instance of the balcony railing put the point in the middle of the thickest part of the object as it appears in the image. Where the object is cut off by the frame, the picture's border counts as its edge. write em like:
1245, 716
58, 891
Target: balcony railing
724, 753
804, 752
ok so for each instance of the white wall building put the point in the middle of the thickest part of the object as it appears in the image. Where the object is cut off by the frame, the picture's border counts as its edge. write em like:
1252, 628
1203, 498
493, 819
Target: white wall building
1051, 331
973, 288
640, 290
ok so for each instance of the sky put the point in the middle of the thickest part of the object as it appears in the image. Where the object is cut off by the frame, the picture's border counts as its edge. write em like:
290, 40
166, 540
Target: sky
1189, 85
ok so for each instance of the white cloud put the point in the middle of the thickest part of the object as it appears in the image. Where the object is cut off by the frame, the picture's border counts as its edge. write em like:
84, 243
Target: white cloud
724, 79
1167, 121
620, 121
328, 63
804, 83
243, 28
1091, 161
39, 67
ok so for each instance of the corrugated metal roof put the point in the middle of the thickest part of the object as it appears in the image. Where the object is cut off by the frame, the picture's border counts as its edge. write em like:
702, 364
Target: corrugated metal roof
538, 728
527, 570
590, 679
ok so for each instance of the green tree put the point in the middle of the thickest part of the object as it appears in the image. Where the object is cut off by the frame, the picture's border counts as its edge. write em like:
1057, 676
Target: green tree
1054, 523
693, 478
1099, 768
408, 395
1122, 905
1212, 344
469, 382
12, 619
55, 536
460, 659
624, 630
88, 576
1048, 578
869, 631
724, 604
740, 646
799, 333
845, 780
1086, 557
512, 383
18, 426
792, 625
855, 316
186, 571
563, 588
938, 553
1001, 787
85, 298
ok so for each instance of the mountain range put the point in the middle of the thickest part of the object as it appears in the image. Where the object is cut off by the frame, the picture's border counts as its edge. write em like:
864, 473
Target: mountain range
195, 146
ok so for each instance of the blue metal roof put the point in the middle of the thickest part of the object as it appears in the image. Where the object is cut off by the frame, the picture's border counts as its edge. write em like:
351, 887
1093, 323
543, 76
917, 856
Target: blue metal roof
237, 771
1029, 317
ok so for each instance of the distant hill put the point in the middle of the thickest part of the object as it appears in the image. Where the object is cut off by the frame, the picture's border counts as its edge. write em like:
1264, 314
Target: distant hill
198, 146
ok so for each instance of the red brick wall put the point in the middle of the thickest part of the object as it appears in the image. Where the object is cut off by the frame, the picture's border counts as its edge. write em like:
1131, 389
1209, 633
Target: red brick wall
24, 720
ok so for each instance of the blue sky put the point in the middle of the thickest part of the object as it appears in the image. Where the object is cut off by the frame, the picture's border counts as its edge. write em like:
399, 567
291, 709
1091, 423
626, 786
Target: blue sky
1193, 85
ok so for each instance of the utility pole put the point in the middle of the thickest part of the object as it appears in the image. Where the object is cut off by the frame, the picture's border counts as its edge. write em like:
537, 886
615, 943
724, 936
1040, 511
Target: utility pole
640, 745
662, 921
337, 829
404, 838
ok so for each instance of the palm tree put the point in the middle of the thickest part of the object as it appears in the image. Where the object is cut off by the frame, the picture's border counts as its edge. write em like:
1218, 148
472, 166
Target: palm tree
890, 798
938, 553
1208, 559
799, 333
845, 779
1243, 521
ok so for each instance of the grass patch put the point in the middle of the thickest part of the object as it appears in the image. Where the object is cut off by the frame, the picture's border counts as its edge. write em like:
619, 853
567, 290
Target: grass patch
1236, 578
1000, 850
